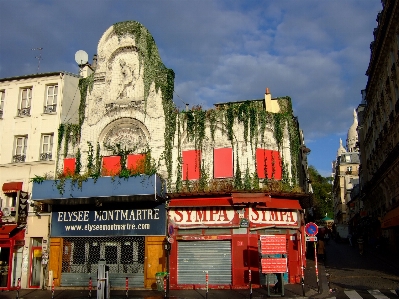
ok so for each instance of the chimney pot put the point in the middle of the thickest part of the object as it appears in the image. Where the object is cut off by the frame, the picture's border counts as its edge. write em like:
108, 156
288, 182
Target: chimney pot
267, 90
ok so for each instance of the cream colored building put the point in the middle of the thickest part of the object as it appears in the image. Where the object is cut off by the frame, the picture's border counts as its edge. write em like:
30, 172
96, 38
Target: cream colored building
345, 173
31, 110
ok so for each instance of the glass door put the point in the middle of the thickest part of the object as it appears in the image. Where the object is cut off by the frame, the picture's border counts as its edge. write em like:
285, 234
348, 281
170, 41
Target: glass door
36, 263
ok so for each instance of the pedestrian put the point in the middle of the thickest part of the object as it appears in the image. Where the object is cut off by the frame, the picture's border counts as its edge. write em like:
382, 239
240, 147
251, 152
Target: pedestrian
321, 249
360, 242
327, 237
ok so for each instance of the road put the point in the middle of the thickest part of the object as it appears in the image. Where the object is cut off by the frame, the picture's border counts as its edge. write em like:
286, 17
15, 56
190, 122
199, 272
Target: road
352, 275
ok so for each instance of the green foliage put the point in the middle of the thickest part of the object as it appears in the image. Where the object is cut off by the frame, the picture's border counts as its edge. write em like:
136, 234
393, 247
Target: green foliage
322, 194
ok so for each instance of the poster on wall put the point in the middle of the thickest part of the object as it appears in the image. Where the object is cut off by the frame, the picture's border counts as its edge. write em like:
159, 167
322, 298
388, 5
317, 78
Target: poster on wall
121, 220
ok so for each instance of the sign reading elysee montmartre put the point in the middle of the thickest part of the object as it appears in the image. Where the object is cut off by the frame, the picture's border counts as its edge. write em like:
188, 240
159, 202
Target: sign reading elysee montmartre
126, 222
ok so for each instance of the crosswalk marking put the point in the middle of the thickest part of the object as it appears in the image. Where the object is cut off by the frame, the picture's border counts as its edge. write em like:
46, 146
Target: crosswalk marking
377, 294
353, 294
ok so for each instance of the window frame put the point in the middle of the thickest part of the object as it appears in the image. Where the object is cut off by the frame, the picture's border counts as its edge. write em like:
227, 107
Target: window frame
24, 109
20, 156
50, 106
46, 155
2, 98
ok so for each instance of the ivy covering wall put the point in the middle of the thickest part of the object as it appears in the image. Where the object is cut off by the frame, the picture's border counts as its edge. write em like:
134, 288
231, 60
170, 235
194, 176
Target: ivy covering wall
251, 116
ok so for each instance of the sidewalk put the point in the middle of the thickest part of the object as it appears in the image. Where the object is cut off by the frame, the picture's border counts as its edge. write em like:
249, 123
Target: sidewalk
290, 291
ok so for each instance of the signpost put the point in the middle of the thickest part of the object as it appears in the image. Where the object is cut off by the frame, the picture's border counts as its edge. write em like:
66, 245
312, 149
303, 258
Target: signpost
311, 230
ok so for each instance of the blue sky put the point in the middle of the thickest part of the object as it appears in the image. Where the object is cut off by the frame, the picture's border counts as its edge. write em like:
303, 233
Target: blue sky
316, 52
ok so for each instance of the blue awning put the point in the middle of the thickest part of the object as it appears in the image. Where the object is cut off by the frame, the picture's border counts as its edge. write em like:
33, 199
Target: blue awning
103, 189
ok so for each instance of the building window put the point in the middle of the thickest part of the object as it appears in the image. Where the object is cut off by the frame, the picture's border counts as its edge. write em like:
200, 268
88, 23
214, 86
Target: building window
222, 163
349, 170
191, 164
46, 147
21, 143
2, 95
25, 102
51, 99
347, 158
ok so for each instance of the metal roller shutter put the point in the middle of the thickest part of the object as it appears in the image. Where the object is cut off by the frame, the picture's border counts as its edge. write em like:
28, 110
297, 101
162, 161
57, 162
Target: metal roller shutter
196, 257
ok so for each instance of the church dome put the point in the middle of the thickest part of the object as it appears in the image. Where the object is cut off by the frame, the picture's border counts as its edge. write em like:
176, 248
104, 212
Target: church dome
352, 138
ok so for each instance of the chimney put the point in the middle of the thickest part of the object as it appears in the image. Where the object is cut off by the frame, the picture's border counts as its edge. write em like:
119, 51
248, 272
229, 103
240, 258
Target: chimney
267, 90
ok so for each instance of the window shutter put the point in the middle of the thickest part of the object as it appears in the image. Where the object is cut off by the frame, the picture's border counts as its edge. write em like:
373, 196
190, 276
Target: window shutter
111, 165
191, 164
222, 163
268, 163
136, 163
69, 166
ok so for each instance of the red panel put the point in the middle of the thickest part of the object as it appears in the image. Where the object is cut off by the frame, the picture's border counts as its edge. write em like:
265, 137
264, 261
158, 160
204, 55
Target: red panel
111, 165
268, 162
275, 203
273, 244
274, 265
136, 163
222, 163
69, 166
191, 164
11, 187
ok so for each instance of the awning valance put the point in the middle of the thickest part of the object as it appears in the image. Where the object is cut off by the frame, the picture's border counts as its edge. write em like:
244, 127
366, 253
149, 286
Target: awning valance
391, 219
5, 231
201, 202
11, 187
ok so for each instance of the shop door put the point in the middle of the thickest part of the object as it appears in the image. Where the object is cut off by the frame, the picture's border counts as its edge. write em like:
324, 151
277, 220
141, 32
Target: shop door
4, 266
196, 257
35, 263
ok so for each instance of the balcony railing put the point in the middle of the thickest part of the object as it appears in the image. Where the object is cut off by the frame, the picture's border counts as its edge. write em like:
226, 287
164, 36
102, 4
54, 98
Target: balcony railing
50, 108
24, 111
1, 113
18, 158
46, 156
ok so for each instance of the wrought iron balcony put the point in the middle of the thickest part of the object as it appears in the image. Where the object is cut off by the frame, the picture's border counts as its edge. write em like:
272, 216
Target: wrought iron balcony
24, 111
18, 158
1, 113
50, 108
46, 156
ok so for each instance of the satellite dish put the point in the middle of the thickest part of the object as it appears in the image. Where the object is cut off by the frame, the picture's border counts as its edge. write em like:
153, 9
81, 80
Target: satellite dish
81, 57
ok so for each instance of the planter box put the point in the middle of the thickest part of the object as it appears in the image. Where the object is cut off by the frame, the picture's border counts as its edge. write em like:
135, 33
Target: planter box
142, 186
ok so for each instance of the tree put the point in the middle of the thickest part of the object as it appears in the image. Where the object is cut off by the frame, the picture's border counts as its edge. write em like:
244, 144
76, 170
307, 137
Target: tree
322, 196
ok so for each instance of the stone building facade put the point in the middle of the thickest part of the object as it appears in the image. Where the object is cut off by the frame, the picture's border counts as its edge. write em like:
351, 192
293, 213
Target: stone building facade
378, 130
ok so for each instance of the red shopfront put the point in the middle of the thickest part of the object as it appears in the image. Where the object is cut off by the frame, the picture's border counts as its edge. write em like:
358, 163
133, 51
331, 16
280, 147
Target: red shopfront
11, 248
220, 237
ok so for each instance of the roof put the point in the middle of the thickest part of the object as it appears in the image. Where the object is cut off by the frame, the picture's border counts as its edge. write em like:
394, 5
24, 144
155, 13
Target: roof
37, 76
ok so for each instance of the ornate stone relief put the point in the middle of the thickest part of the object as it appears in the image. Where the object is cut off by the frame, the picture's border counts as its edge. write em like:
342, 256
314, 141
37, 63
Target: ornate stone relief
128, 136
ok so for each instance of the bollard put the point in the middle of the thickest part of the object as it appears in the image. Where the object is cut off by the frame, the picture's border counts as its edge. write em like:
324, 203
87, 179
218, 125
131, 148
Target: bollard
127, 287
207, 283
18, 287
90, 287
164, 285
52, 289
250, 284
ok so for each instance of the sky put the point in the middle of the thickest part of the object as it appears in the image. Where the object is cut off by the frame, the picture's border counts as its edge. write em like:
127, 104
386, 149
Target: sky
314, 51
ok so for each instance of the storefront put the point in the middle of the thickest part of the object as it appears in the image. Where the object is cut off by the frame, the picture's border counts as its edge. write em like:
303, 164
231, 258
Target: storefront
11, 248
122, 235
219, 236
119, 221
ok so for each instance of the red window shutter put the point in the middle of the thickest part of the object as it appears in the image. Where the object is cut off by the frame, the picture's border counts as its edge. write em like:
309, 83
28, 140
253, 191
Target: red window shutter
222, 163
268, 162
136, 163
191, 165
111, 165
69, 166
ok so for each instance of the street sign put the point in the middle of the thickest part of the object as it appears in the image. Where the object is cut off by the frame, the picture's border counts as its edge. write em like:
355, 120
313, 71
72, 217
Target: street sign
311, 229
312, 239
